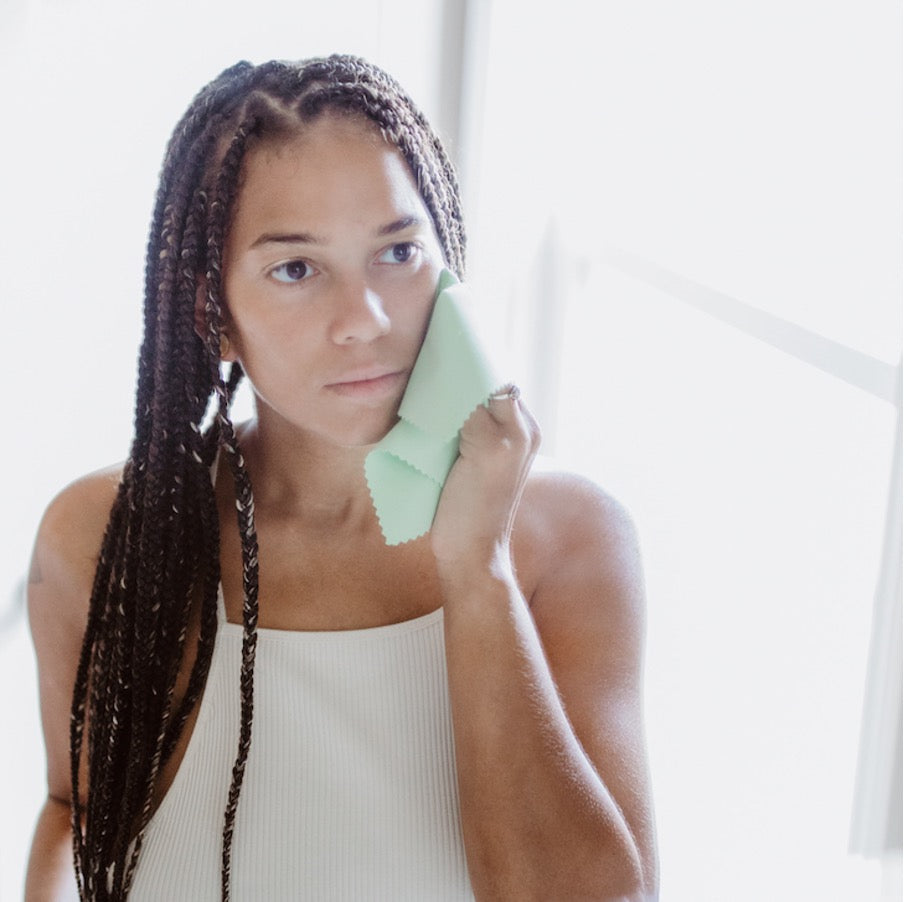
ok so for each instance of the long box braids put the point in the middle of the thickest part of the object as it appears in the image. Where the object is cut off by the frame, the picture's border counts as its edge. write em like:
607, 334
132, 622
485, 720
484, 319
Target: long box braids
160, 550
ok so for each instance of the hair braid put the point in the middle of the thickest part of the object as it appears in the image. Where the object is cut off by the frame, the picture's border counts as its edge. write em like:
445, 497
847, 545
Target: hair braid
196, 453
220, 212
172, 623
160, 551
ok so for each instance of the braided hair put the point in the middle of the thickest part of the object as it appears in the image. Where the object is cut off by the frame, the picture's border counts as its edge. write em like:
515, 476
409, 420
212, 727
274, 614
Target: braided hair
160, 550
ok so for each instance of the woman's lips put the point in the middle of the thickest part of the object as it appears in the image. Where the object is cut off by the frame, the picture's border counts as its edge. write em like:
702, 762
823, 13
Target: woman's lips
369, 386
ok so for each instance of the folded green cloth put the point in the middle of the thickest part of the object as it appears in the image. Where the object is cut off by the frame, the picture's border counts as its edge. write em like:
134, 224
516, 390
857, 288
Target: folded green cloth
406, 470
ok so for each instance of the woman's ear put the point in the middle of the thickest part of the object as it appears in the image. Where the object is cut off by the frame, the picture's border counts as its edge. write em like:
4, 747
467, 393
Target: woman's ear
227, 352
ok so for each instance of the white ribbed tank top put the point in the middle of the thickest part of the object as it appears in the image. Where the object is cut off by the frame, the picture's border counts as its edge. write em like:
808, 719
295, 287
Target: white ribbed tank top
350, 790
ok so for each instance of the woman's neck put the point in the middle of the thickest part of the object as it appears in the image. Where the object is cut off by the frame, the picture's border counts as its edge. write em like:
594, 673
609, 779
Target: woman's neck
298, 476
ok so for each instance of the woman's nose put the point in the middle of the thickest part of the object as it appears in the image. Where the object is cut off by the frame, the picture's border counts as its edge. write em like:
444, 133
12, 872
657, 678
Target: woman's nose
358, 315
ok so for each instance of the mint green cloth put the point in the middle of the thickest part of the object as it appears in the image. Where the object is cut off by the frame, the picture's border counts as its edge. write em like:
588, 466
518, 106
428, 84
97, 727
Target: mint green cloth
452, 375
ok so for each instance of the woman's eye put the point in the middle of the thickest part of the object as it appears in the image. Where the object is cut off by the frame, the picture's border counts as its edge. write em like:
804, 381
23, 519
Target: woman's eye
293, 271
399, 253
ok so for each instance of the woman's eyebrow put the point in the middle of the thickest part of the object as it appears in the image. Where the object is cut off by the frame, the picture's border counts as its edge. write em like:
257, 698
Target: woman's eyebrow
400, 224
293, 238
397, 225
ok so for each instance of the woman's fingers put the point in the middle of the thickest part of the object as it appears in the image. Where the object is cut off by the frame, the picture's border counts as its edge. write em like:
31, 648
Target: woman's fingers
510, 392
500, 438
503, 404
507, 409
479, 500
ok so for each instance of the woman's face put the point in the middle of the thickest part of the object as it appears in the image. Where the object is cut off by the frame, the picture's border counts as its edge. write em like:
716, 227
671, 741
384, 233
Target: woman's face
330, 269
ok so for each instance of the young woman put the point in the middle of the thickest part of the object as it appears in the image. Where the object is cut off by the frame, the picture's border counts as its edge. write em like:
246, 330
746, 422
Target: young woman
245, 691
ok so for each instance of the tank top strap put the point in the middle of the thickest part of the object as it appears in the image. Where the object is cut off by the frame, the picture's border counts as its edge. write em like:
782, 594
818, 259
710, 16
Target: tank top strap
221, 606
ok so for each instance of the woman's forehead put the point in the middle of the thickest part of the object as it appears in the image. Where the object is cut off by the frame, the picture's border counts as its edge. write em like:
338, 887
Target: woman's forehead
334, 173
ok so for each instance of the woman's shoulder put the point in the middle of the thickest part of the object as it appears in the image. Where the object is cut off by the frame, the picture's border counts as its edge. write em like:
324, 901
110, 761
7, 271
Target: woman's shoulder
575, 538
565, 511
71, 530
59, 595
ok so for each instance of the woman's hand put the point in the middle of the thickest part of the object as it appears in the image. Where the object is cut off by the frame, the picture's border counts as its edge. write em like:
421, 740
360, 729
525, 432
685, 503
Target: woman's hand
473, 523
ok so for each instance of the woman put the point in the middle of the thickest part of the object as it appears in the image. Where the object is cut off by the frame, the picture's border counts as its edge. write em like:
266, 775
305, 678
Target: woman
456, 716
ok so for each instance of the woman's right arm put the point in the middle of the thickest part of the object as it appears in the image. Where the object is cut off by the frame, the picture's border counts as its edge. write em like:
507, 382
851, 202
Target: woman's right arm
59, 590
50, 871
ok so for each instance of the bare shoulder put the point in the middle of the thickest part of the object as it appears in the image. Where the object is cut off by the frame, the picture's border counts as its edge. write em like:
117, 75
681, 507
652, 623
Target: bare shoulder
571, 506
72, 528
59, 592
575, 529
65, 557
578, 549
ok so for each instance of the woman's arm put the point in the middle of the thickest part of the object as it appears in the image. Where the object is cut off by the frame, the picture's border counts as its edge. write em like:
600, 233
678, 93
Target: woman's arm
50, 874
546, 696
59, 589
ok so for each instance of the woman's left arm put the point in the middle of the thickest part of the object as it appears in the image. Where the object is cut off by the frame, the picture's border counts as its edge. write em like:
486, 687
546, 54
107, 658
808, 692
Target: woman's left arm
546, 691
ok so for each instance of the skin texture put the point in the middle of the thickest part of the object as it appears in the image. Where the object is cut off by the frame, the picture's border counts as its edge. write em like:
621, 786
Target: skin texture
331, 266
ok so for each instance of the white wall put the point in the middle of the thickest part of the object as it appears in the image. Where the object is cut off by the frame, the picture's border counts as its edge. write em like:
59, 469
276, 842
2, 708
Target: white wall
744, 157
